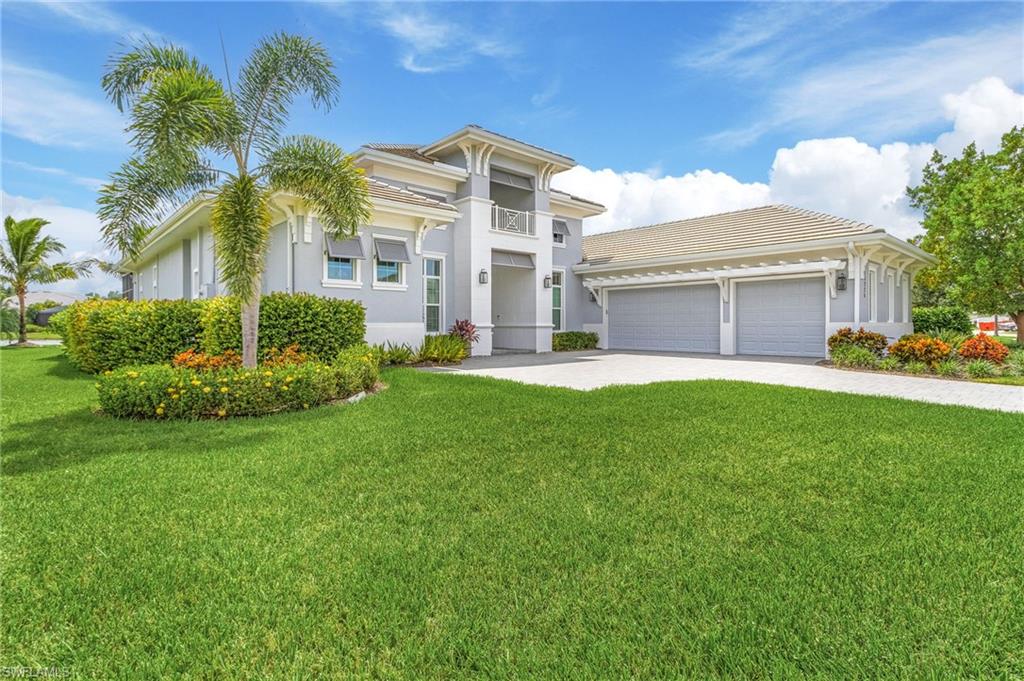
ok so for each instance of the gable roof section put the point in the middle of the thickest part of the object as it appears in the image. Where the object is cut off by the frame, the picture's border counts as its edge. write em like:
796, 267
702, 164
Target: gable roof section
750, 228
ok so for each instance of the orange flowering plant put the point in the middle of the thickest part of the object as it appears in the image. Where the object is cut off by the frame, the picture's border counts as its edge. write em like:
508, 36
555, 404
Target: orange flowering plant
983, 346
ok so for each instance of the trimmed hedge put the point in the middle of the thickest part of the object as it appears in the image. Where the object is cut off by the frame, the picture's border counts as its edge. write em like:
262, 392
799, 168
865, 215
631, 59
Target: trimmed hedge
100, 335
105, 334
573, 340
932, 320
321, 327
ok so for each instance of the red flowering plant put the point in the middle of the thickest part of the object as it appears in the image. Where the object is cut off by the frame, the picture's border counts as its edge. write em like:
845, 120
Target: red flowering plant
466, 330
201, 361
861, 338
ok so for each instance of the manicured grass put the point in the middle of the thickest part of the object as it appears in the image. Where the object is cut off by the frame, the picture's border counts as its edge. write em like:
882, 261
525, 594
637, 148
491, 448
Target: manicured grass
1004, 380
463, 527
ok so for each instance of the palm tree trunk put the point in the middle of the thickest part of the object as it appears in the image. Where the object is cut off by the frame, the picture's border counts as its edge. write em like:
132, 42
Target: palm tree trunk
250, 331
22, 329
1018, 319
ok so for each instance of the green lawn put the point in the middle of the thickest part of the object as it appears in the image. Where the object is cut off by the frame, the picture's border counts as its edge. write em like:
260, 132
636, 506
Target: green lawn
464, 527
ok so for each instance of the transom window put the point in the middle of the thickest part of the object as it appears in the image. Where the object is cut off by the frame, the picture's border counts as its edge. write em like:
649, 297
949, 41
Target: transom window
556, 300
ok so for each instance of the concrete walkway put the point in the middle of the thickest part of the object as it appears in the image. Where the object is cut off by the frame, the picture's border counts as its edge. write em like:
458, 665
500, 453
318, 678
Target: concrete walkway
596, 369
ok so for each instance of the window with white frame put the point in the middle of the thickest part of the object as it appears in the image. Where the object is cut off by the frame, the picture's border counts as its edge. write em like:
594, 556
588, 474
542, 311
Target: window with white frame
341, 260
341, 269
559, 232
390, 259
557, 300
890, 289
872, 291
433, 291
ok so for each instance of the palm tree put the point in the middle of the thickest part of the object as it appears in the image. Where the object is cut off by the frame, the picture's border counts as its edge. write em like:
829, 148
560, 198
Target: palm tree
181, 116
23, 262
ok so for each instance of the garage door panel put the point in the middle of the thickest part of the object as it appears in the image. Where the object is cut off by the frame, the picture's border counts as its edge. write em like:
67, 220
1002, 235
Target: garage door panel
782, 317
670, 318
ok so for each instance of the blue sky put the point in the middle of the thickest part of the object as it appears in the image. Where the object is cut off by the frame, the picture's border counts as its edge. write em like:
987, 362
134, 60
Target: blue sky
670, 108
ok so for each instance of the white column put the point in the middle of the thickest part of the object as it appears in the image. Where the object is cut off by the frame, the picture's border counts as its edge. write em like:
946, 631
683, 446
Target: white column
473, 254
543, 323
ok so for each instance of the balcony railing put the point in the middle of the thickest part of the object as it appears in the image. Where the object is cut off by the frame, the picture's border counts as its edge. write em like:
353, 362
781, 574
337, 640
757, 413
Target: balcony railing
516, 221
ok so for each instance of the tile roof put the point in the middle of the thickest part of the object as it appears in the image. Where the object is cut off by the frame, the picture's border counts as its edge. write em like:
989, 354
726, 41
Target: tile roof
578, 198
390, 192
406, 150
518, 141
763, 226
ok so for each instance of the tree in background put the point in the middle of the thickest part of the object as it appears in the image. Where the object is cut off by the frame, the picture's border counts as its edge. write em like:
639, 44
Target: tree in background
974, 224
23, 262
181, 114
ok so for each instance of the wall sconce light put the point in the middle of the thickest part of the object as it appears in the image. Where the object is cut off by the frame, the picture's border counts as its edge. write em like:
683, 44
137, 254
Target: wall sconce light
840, 281
547, 281
482, 278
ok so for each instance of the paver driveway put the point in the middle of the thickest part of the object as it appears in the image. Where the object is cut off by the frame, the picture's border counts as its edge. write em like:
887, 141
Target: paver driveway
589, 370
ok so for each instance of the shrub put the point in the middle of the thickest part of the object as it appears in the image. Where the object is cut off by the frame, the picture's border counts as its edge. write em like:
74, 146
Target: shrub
290, 356
59, 324
163, 391
948, 367
933, 320
981, 368
31, 311
391, 354
984, 347
105, 334
573, 340
466, 330
320, 326
1015, 363
954, 339
200, 361
357, 369
918, 348
861, 338
854, 356
442, 350
915, 367
890, 364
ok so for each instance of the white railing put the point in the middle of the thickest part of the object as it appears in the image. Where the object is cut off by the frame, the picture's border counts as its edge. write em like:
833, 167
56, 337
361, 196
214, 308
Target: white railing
508, 220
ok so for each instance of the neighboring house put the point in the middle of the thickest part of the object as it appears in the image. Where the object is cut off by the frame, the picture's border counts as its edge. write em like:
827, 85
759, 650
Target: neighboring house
33, 297
468, 227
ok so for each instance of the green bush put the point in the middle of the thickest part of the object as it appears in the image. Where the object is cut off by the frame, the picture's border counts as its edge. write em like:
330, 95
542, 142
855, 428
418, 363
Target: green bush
981, 368
916, 367
954, 339
35, 328
357, 369
393, 355
31, 311
854, 356
861, 338
442, 349
106, 334
932, 320
890, 364
158, 391
320, 326
948, 367
573, 340
1015, 363
59, 324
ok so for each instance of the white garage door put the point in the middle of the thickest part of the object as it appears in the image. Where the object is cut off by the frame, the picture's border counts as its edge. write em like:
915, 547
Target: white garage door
675, 318
785, 317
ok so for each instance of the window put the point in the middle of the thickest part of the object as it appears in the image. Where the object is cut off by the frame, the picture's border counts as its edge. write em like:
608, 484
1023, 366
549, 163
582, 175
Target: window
341, 269
558, 238
390, 259
872, 291
560, 230
433, 291
557, 308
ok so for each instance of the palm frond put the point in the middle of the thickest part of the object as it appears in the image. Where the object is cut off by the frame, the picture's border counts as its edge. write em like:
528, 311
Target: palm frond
130, 73
240, 220
22, 236
52, 273
325, 177
131, 205
280, 68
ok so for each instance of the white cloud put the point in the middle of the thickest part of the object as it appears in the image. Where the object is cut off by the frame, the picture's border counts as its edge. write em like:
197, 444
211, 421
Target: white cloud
840, 175
432, 44
93, 183
77, 229
45, 108
94, 17
880, 93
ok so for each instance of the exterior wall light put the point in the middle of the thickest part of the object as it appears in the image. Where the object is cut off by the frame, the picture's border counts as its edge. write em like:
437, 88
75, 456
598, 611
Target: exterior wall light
482, 278
547, 281
840, 281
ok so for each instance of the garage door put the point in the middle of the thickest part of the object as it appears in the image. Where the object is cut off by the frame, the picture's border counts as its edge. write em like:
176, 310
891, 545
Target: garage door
785, 317
676, 318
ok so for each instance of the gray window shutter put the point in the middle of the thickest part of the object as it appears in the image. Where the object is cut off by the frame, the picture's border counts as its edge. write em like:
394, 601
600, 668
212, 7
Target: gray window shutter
560, 227
345, 248
391, 251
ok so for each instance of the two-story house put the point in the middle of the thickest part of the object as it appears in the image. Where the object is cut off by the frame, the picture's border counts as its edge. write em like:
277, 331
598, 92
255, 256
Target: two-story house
468, 227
